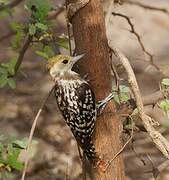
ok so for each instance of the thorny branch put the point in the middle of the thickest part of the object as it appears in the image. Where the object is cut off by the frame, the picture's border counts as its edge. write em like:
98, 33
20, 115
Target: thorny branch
147, 6
138, 38
32, 132
10, 5
161, 143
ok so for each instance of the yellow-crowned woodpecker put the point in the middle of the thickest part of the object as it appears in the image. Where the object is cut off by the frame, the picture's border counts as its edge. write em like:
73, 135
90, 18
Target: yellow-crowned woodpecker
76, 101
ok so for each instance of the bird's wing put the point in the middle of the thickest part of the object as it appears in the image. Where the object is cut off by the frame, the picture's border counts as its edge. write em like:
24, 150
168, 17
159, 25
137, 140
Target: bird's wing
87, 108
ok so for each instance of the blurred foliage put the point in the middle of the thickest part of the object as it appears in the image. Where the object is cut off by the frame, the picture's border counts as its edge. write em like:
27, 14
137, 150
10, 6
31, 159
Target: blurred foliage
39, 28
164, 104
123, 95
6, 71
165, 82
9, 153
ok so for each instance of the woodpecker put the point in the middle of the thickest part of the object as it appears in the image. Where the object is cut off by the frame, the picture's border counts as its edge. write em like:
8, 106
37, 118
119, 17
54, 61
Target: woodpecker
76, 101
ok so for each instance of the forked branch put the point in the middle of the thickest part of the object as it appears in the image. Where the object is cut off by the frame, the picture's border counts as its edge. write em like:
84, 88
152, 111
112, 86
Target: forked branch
161, 143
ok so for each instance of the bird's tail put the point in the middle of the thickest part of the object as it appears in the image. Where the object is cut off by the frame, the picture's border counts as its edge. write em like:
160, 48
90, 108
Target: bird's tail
90, 152
92, 156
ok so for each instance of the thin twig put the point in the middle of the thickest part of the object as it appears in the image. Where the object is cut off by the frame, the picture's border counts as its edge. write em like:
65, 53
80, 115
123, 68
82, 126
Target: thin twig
117, 79
121, 150
32, 132
147, 6
138, 38
10, 5
159, 140
22, 53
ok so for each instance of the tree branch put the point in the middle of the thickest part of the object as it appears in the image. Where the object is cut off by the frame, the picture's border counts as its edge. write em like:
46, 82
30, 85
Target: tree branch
90, 38
138, 38
161, 143
10, 5
147, 6
32, 132
22, 53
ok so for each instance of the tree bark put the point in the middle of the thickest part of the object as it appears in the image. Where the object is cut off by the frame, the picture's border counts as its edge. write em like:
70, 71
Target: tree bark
90, 38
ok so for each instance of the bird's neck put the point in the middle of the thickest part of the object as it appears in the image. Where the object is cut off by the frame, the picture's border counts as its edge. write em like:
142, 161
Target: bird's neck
67, 75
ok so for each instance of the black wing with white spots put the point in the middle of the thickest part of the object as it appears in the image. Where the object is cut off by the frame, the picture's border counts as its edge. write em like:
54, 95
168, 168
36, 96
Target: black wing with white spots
76, 101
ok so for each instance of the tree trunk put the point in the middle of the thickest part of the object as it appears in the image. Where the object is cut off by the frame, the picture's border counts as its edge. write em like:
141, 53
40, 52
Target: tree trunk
90, 38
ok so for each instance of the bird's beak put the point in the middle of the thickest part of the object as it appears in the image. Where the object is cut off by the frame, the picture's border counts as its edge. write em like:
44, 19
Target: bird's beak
76, 58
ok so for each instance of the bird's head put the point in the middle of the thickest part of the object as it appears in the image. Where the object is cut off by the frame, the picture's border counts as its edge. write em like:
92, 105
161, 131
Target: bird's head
60, 64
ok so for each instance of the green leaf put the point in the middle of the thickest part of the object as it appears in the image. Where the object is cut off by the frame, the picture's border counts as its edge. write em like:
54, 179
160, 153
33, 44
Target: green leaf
12, 161
11, 66
17, 40
22, 144
5, 13
3, 80
124, 93
3, 70
12, 83
49, 51
32, 29
12, 157
15, 26
39, 9
63, 42
165, 106
41, 26
42, 54
165, 82
124, 89
1, 147
125, 97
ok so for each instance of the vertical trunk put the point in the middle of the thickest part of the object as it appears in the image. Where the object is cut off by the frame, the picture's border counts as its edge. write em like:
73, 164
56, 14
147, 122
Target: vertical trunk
90, 38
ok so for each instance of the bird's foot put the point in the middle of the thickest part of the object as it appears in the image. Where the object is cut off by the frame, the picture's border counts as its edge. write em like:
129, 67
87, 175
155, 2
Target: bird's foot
102, 104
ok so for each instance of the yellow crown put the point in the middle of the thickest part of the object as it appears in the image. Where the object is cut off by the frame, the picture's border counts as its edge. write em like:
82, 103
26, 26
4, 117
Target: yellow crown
57, 59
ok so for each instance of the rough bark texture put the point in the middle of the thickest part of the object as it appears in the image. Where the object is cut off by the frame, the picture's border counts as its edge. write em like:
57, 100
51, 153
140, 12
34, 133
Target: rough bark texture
90, 38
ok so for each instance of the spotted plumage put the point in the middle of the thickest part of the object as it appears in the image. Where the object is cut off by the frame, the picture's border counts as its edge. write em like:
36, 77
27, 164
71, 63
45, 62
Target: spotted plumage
76, 101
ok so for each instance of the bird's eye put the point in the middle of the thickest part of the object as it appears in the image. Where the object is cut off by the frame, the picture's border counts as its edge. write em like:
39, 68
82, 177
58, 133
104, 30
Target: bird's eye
65, 61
